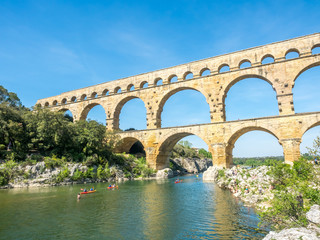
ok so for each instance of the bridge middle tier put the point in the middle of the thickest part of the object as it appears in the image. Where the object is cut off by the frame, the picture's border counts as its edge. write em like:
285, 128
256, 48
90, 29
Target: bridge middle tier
221, 137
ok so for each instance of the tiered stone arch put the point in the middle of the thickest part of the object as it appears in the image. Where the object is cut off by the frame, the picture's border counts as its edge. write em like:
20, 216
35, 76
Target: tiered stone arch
126, 143
227, 87
86, 109
118, 106
170, 93
166, 145
237, 133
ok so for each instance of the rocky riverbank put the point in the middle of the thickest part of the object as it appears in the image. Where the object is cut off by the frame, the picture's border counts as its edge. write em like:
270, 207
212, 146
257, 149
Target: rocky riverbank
43, 174
255, 187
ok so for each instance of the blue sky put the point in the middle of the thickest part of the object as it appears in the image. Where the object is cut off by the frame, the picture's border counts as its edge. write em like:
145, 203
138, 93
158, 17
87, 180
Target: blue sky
49, 47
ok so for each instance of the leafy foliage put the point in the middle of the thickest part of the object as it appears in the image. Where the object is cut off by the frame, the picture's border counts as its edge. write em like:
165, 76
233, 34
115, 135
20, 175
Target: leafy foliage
295, 186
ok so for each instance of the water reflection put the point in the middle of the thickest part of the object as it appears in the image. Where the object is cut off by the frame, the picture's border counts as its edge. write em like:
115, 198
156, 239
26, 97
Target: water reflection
137, 210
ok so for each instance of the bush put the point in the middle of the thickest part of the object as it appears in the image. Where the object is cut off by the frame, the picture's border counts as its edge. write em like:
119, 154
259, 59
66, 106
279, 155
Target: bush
77, 175
52, 162
63, 174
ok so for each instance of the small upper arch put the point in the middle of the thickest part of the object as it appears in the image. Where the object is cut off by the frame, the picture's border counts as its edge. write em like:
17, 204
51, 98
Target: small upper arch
205, 72
316, 49
224, 68
173, 78
46, 104
94, 95
130, 87
64, 101
55, 103
268, 58
158, 81
245, 63
292, 53
187, 75
74, 99
144, 84
105, 92
117, 90
83, 97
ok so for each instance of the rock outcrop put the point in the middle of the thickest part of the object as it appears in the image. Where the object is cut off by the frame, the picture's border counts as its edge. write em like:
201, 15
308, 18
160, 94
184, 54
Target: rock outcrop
312, 232
294, 234
164, 173
191, 165
211, 174
314, 214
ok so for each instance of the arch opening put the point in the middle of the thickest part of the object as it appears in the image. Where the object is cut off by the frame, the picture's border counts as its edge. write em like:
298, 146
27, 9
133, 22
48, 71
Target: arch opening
183, 106
74, 99
292, 53
251, 145
67, 114
306, 90
205, 72
188, 75
250, 97
117, 90
131, 145
94, 111
244, 64
131, 114
316, 49
130, 87
105, 92
46, 104
307, 141
55, 103
83, 97
179, 145
267, 59
224, 68
94, 95
158, 82
144, 84
173, 78
64, 101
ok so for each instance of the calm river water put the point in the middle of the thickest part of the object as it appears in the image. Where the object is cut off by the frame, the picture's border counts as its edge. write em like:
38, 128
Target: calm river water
137, 210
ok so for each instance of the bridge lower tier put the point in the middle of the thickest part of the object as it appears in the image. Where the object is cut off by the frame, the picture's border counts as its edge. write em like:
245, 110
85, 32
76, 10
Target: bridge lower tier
221, 137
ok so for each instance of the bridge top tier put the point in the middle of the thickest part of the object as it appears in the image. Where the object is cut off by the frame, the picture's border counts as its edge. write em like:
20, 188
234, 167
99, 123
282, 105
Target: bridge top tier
278, 51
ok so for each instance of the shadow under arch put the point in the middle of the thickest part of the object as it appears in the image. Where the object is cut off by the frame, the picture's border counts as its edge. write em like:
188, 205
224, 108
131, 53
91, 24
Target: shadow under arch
167, 96
240, 132
126, 143
238, 79
164, 150
119, 106
86, 110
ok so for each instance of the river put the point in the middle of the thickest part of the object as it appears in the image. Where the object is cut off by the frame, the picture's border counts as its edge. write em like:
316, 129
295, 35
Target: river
137, 210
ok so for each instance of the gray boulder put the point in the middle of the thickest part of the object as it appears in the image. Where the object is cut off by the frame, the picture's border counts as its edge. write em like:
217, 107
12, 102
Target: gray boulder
164, 173
211, 174
314, 214
292, 234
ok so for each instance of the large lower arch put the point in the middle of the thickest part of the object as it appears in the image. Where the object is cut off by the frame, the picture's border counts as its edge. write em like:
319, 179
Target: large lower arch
119, 106
237, 134
306, 89
67, 113
251, 98
86, 110
126, 143
165, 148
165, 98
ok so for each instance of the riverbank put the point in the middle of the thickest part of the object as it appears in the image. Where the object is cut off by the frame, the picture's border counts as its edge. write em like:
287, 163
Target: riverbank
285, 196
56, 172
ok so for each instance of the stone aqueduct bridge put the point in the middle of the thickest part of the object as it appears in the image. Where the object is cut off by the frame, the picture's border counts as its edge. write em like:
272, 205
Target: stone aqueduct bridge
220, 135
